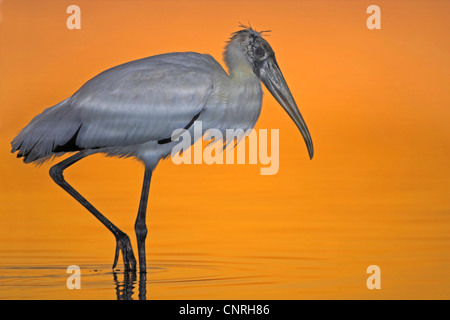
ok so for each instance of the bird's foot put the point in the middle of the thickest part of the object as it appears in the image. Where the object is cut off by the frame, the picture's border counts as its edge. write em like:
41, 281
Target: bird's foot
123, 244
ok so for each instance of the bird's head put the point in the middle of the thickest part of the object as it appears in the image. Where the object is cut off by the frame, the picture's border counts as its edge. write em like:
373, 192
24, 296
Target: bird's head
248, 52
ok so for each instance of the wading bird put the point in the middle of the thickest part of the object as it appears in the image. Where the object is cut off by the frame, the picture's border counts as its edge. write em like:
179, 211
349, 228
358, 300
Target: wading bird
132, 109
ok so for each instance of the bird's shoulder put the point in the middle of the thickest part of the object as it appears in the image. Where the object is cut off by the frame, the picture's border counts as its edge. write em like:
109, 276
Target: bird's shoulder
169, 71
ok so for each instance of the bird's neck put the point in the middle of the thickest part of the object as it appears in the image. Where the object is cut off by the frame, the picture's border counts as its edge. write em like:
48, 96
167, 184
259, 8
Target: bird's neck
238, 65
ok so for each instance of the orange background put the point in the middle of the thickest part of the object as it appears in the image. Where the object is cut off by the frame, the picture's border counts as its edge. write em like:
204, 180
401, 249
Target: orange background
377, 191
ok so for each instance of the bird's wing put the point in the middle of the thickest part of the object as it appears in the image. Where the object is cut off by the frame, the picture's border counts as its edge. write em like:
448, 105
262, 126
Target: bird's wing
143, 100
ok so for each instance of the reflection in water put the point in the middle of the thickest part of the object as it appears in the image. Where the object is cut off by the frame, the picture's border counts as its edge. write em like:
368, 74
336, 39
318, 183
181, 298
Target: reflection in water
125, 288
197, 276
143, 286
170, 279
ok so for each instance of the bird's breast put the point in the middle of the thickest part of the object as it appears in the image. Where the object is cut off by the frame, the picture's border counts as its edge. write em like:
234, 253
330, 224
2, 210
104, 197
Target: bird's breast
236, 105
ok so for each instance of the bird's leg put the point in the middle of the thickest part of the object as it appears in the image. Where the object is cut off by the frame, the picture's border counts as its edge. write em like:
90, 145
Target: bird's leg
140, 225
123, 241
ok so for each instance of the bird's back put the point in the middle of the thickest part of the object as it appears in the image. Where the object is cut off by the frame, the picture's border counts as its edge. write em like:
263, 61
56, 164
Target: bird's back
130, 104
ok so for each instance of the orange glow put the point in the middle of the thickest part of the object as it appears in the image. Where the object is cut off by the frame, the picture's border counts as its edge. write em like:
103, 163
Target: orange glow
377, 191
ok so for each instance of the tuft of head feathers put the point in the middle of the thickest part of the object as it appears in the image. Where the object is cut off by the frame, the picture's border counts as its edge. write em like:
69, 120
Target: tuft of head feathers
247, 30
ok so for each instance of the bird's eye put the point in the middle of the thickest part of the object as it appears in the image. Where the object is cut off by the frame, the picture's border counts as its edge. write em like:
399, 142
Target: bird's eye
259, 52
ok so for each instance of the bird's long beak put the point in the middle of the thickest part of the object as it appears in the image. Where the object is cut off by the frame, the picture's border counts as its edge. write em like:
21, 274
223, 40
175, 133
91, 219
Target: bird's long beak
271, 76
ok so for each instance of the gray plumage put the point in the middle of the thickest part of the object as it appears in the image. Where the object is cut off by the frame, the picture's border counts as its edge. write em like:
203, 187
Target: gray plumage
133, 103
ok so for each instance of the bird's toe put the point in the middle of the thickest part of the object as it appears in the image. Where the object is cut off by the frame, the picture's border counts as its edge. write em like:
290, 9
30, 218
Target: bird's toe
123, 244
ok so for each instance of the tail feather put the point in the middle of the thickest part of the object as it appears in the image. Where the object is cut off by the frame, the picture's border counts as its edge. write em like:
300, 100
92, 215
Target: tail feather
49, 133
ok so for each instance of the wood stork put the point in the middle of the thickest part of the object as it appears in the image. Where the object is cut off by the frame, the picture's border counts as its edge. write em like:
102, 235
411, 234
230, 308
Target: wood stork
132, 109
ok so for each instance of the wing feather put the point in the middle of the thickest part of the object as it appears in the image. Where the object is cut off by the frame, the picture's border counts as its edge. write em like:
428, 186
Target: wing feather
142, 100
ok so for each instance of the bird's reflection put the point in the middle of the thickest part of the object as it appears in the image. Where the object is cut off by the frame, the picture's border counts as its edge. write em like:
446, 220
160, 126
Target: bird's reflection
125, 288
